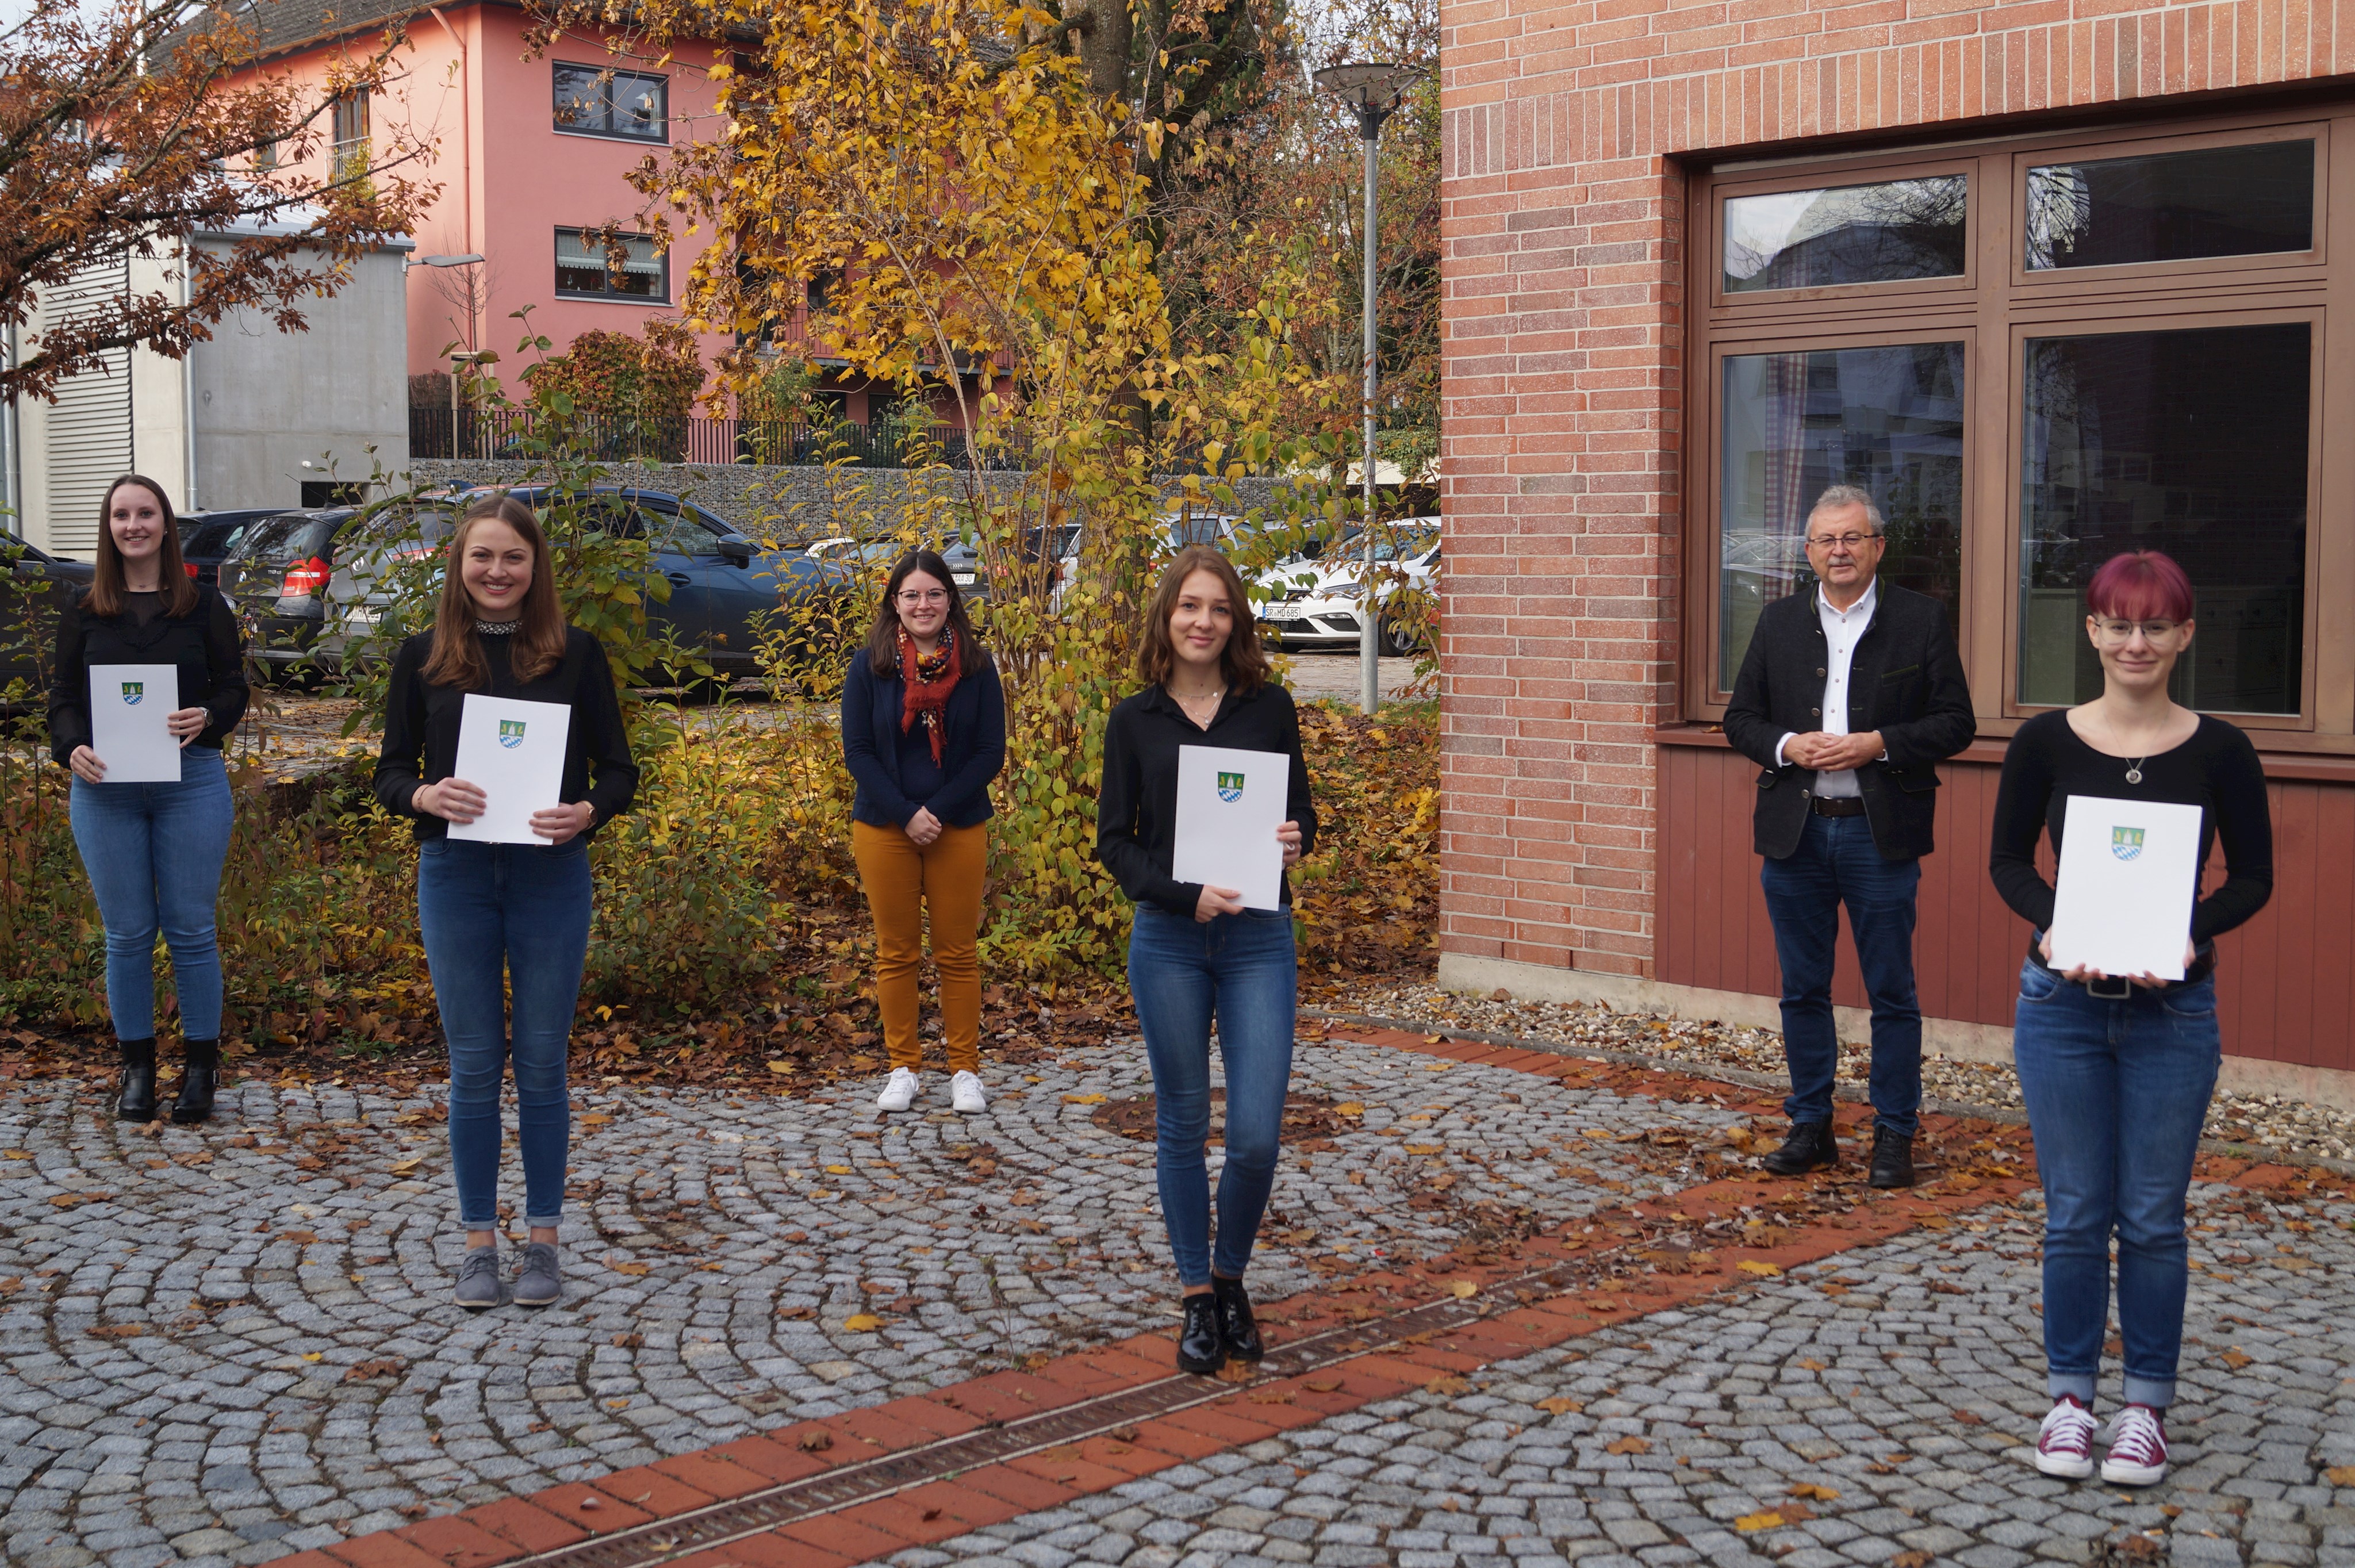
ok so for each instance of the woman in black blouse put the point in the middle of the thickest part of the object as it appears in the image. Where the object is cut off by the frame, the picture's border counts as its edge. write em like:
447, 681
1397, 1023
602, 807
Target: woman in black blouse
153, 851
1197, 953
519, 911
2117, 1070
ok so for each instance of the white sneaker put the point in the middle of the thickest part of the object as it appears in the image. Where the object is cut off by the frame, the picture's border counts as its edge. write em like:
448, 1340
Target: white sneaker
2064, 1443
965, 1095
900, 1093
2137, 1456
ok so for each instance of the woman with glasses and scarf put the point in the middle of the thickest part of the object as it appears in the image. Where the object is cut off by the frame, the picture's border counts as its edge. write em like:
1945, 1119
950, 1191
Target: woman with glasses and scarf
2116, 1070
924, 732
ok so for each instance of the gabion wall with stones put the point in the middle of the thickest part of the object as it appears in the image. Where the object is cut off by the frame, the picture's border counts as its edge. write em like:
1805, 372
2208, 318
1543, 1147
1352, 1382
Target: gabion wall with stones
802, 503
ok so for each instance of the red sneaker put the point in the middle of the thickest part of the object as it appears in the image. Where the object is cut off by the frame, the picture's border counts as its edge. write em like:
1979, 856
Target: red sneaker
2137, 1456
2064, 1443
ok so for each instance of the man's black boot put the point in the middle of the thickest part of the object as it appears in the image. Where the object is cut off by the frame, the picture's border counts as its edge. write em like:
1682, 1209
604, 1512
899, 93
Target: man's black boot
1201, 1349
1892, 1159
1810, 1147
136, 1100
1236, 1326
199, 1078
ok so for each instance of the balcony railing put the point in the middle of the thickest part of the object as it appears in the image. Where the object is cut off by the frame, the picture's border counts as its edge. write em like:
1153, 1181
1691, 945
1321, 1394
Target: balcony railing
439, 432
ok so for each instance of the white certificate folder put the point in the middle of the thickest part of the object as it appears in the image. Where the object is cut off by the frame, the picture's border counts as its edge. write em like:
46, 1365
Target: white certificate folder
514, 752
129, 706
2129, 873
1229, 805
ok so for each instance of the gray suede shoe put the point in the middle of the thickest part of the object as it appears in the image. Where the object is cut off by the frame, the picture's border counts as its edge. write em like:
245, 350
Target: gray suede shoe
540, 1285
478, 1278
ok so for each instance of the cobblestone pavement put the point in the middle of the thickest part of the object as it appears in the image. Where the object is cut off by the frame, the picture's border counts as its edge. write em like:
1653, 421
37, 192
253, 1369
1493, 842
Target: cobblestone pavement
1872, 1409
223, 1344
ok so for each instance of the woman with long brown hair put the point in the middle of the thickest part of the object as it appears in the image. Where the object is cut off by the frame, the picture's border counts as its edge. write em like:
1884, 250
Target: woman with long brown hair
923, 732
1197, 954
153, 851
511, 914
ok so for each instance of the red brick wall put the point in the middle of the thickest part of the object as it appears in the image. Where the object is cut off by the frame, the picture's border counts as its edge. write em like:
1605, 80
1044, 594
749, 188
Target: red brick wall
1563, 411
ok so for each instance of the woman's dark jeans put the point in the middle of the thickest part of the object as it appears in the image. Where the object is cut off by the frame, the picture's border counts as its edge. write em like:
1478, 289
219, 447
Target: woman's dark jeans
1243, 970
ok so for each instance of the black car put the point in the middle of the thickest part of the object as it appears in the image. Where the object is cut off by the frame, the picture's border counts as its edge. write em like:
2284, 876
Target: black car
205, 538
722, 584
35, 594
275, 570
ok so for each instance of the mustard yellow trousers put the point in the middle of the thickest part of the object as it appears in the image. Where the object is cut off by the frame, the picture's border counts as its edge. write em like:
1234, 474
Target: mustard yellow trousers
904, 884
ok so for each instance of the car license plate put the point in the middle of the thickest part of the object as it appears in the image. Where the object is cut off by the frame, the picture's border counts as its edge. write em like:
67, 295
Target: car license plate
364, 615
1285, 612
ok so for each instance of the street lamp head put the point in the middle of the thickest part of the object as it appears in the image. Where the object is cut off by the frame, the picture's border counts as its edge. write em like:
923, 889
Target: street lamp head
467, 260
1371, 84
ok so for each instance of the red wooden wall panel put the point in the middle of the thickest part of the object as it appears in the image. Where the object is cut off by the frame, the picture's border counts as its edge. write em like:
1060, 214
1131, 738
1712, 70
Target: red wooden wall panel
2286, 980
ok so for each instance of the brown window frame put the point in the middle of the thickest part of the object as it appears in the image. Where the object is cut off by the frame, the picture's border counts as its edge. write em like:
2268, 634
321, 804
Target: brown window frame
1993, 310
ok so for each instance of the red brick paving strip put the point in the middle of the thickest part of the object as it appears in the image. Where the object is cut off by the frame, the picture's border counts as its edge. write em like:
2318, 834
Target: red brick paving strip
958, 1503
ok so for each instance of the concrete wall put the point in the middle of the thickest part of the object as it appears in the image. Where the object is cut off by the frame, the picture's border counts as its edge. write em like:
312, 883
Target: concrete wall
268, 401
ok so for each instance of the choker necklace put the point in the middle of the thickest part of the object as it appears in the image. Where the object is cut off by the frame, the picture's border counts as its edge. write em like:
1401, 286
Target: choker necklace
498, 629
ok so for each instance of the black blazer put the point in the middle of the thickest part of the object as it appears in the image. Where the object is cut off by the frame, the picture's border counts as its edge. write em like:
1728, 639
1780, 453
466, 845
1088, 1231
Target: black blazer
1905, 679
972, 752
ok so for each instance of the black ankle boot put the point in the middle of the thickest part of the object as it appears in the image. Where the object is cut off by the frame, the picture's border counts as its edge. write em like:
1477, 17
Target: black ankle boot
199, 1078
1810, 1147
1892, 1159
136, 1100
1235, 1324
1201, 1349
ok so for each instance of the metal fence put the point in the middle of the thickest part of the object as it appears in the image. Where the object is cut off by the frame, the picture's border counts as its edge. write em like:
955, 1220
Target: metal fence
439, 432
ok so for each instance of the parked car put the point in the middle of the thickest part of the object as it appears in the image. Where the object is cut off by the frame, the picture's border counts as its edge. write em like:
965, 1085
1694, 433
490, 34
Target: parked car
1325, 612
274, 570
40, 587
205, 538
722, 585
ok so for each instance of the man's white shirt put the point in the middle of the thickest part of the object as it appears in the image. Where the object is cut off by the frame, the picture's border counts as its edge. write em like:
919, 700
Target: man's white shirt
1842, 631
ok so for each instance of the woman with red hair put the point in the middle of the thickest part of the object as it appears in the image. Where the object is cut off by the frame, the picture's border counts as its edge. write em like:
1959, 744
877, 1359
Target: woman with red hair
2117, 1070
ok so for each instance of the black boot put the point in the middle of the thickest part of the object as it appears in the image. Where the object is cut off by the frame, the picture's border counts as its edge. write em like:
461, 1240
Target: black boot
136, 1102
1199, 1347
1810, 1147
1892, 1159
199, 1078
1235, 1324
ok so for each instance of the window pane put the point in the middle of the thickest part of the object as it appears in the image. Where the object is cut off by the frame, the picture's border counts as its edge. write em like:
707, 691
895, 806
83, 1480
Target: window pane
2171, 207
1889, 420
638, 106
2193, 442
579, 98
580, 263
1850, 234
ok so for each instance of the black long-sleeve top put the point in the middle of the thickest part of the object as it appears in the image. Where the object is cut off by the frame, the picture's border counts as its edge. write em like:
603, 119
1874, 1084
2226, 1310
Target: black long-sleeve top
420, 727
2217, 770
1136, 807
205, 644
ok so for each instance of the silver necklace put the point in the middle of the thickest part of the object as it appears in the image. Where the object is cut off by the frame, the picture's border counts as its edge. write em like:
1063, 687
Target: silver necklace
496, 628
2134, 769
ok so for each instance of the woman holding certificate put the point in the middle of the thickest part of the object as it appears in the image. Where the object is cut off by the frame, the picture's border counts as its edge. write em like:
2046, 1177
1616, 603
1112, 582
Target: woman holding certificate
923, 732
2116, 1066
506, 909
1211, 733
150, 681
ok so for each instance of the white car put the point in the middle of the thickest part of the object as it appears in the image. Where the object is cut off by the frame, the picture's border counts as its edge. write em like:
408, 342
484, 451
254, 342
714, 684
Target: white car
1325, 613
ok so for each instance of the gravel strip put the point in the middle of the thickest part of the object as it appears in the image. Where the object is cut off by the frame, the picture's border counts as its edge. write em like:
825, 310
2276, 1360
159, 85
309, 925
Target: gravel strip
2267, 1124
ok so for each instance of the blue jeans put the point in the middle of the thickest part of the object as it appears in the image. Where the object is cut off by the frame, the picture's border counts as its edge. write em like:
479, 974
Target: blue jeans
154, 852
521, 909
1244, 969
2117, 1093
1835, 864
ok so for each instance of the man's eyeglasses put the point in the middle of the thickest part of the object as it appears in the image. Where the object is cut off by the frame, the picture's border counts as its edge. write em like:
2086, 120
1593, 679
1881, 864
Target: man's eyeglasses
1850, 542
915, 598
2120, 633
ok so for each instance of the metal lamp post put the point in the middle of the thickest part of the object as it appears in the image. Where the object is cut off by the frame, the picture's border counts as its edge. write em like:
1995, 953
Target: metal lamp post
1374, 88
